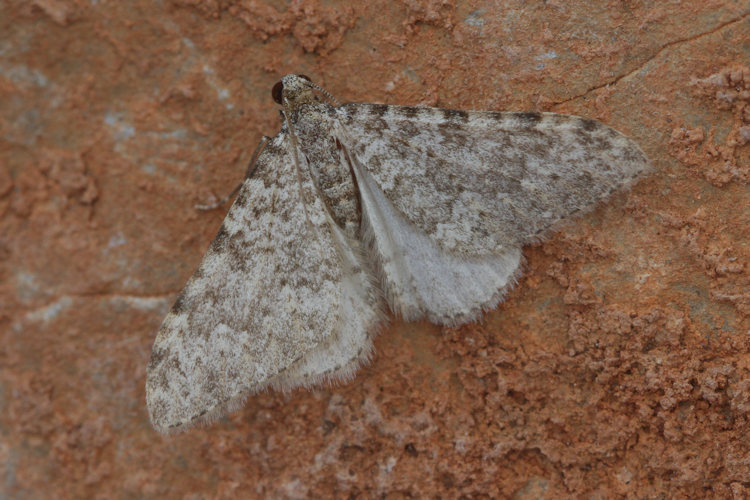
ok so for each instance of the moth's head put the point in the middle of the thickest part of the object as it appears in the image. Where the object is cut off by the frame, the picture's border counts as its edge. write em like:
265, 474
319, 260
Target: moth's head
293, 88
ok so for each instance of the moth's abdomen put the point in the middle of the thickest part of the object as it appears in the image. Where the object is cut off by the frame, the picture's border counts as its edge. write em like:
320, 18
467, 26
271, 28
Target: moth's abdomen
342, 199
332, 174
335, 181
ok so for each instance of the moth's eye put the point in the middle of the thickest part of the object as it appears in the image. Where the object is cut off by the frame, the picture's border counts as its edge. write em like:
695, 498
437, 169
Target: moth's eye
305, 77
276, 92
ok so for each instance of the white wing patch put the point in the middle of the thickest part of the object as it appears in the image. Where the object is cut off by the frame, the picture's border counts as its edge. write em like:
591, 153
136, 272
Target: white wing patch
340, 354
428, 208
421, 280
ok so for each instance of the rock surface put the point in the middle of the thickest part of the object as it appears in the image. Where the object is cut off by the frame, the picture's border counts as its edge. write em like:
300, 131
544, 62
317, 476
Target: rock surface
618, 367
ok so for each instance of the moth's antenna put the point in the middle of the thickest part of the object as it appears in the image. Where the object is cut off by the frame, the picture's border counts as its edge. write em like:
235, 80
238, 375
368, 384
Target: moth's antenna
325, 93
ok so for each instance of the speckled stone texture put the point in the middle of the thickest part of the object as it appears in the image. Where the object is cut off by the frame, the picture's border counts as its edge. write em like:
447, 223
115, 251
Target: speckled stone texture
618, 367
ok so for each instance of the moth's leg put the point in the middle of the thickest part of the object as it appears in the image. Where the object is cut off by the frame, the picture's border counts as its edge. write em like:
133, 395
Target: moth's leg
248, 173
259, 149
219, 203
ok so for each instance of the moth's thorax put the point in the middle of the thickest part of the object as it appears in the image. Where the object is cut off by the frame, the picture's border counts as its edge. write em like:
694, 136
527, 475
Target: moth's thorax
314, 127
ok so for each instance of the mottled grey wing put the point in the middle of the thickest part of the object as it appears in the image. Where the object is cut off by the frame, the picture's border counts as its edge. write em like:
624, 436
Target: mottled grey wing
479, 182
268, 291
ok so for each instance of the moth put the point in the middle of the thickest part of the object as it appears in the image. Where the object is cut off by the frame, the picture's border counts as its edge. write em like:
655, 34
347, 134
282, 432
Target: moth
353, 207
